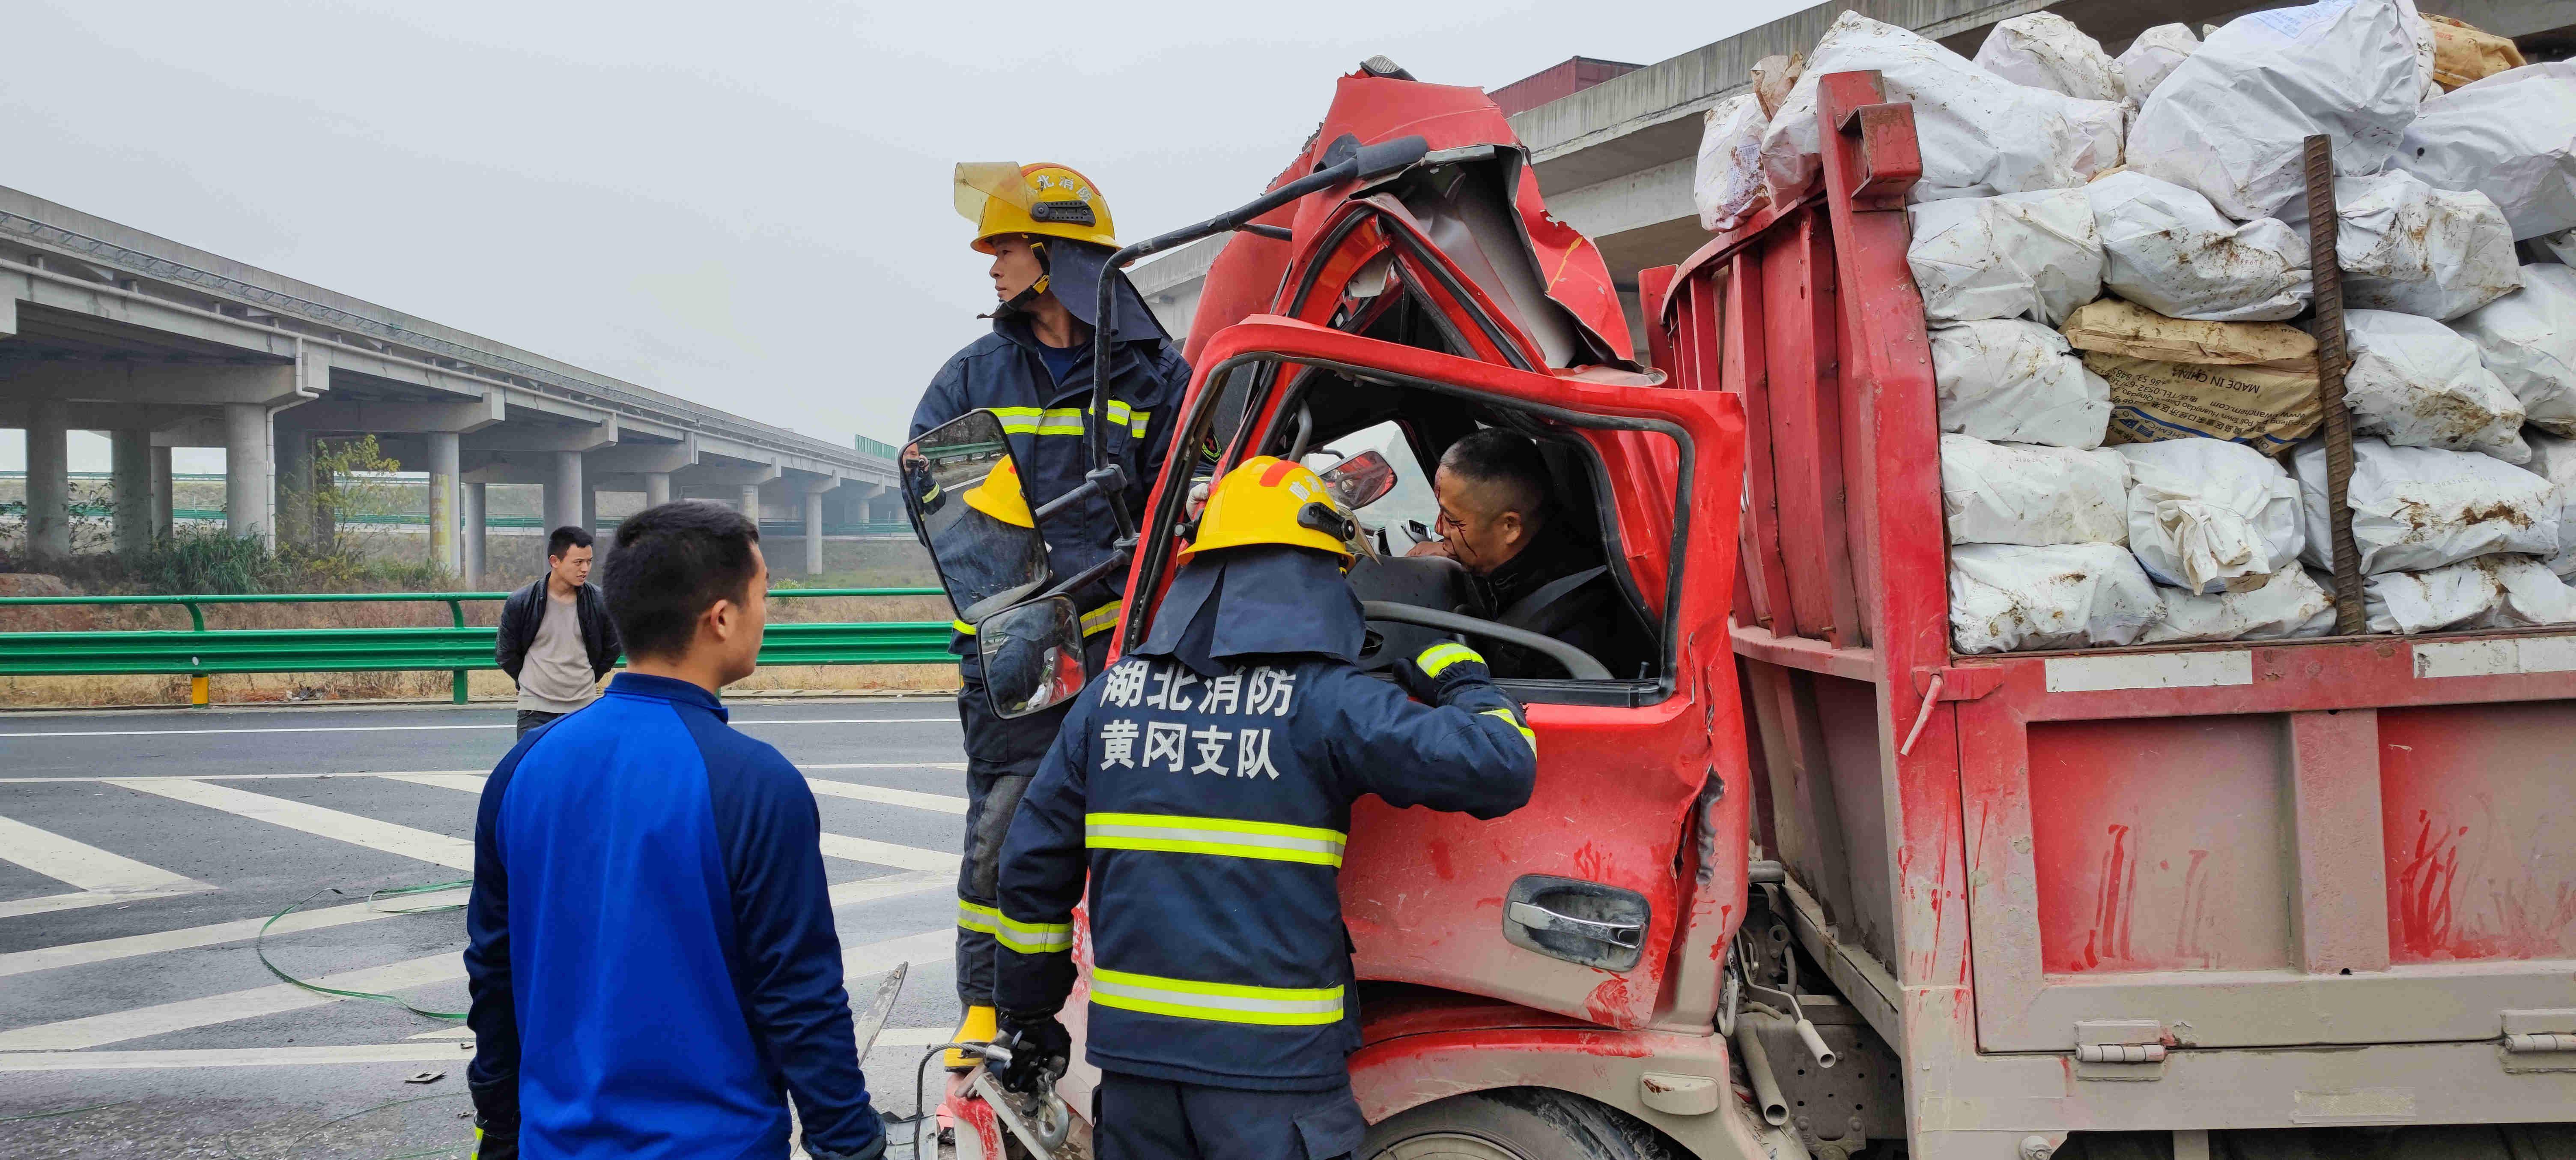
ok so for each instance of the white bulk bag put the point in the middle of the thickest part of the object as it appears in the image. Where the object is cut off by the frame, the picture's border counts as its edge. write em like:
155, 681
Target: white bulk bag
2409, 247
2046, 50
2417, 383
2230, 120
2018, 493
2165, 248
2559, 247
2553, 458
1727, 187
2103, 127
2011, 380
2152, 57
2005, 597
2020, 255
2528, 338
2210, 516
2512, 137
2291, 603
2499, 591
2417, 507
1980, 134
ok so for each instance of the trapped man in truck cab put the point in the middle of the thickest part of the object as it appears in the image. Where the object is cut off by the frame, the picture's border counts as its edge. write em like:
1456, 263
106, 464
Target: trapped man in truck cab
1203, 787
1049, 234
1498, 519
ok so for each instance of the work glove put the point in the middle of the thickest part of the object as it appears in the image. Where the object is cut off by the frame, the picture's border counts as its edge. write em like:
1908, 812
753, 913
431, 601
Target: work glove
1440, 669
495, 1142
1040, 1049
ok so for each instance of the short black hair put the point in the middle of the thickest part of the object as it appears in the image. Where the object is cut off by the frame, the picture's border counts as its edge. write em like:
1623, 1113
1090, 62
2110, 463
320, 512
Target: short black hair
565, 539
672, 563
1493, 455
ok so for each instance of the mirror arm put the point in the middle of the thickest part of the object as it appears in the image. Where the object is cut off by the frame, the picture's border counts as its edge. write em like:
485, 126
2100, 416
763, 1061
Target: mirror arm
1370, 161
1109, 564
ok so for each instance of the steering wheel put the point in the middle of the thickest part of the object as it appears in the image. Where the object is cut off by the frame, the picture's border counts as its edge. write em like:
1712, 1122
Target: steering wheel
1578, 664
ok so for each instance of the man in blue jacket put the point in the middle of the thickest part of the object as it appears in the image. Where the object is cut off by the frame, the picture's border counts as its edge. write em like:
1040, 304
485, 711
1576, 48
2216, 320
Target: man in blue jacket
1204, 786
1049, 233
653, 965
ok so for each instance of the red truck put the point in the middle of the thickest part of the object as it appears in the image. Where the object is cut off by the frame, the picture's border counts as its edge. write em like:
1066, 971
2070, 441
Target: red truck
2111, 902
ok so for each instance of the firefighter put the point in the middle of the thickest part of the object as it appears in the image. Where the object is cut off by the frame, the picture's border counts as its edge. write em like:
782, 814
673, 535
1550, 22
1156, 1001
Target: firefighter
1204, 784
1050, 236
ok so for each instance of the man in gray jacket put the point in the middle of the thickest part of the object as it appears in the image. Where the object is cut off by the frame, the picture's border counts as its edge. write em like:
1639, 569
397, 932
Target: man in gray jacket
556, 636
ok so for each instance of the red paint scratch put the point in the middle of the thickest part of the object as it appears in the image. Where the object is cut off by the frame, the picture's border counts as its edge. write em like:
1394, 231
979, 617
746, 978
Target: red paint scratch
1590, 863
1440, 863
2195, 898
2425, 886
2113, 899
1608, 1001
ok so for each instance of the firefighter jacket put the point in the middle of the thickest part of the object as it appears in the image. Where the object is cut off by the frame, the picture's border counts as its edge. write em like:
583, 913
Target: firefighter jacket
1209, 807
1045, 419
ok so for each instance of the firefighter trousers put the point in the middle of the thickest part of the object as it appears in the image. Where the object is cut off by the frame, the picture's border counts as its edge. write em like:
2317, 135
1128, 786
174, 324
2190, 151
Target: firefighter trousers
1137, 1118
1002, 754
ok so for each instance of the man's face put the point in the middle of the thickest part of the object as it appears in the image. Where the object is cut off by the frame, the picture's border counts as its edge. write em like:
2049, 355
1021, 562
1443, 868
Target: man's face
1481, 532
1015, 267
572, 569
739, 623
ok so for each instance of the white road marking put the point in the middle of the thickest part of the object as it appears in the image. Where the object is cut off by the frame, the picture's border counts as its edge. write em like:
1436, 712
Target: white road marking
469, 782
422, 728
420, 845
235, 1057
944, 803
891, 885
217, 934
101, 876
889, 854
218, 776
188, 1014
433, 1047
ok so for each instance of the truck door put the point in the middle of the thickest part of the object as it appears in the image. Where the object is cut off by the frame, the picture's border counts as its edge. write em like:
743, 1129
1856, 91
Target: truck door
1574, 903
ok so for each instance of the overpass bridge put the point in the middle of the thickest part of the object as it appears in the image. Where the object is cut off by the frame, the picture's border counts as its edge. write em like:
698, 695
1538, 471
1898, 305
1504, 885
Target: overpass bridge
160, 345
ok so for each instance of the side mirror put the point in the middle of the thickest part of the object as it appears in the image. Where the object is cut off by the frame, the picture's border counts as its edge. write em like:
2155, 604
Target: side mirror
1032, 655
963, 491
1360, 480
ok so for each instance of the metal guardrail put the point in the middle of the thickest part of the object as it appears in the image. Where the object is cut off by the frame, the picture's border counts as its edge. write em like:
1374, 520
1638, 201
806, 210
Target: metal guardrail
457, 648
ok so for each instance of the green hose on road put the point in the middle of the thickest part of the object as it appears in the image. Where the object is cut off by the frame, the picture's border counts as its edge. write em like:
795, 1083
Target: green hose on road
259, 944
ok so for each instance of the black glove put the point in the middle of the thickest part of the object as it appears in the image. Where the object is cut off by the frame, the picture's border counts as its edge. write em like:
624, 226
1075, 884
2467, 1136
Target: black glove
495, 1142
1040, 1051
1444, 666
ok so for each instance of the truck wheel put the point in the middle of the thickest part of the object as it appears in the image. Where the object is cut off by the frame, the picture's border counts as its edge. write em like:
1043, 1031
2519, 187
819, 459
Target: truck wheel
1515, 1124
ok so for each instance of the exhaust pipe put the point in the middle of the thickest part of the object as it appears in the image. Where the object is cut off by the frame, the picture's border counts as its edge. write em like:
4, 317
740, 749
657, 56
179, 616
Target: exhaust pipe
1757, 1067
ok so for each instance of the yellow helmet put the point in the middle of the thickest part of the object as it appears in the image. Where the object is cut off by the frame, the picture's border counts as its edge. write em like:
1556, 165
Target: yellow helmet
1046, 199
1269, 500
1000, 497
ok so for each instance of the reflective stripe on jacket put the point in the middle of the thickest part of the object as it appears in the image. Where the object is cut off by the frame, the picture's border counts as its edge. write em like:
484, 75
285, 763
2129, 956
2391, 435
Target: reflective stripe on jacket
1210, 816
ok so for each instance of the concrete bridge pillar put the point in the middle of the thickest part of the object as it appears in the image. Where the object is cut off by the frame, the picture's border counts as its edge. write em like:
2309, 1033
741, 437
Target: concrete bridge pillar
590, 518
813, 533
564, 492
657, 488
163, 505
248, 513
130, 462
298, 506
470, 542
443, 470
49, 480
751, 501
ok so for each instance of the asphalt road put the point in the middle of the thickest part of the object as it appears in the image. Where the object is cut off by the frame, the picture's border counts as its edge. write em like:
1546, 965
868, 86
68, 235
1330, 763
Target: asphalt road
140, 852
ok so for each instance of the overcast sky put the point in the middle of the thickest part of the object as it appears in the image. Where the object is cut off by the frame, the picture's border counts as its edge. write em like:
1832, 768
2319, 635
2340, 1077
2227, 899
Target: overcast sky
746, 205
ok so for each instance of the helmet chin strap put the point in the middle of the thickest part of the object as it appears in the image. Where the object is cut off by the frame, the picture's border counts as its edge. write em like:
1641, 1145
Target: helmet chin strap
1019, 303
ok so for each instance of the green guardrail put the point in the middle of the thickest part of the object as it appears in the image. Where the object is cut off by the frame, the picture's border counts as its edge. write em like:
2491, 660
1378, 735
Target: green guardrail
418, 519
456, 648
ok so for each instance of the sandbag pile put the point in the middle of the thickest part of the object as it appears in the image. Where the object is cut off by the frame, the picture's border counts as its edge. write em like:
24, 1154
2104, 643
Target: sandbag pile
2112, 254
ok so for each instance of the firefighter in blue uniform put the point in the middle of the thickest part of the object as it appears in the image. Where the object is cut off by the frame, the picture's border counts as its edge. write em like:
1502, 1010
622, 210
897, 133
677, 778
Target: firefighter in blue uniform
1205, 785
1050, 235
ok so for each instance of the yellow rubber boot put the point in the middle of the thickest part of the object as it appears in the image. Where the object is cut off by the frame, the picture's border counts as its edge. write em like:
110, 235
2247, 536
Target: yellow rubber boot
979, 1026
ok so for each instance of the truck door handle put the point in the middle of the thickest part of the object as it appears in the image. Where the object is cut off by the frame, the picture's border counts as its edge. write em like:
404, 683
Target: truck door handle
1534, 917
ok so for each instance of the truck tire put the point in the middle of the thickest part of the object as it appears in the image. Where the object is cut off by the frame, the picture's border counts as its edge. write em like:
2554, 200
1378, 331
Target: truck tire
1521, 1123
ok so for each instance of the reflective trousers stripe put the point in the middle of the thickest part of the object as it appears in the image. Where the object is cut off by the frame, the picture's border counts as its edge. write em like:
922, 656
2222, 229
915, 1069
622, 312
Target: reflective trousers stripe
1094, 622
1216, 1002
1527, 734
1068, 420
977, 917
1034, 938
1219, 837
1437, 659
